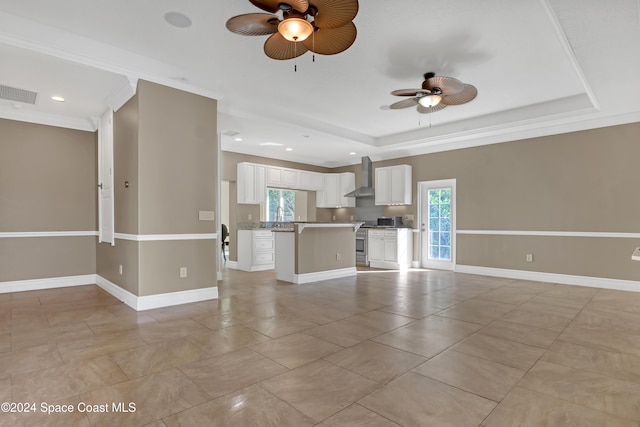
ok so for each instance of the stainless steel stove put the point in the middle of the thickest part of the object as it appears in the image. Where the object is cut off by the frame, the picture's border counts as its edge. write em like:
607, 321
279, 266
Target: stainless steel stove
362, 258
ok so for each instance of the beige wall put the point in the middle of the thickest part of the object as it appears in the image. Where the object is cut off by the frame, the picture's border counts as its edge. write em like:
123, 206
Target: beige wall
28, 258
581, 181
47, 183
317, 249
125, 164
47, 178
160, 263
166, 148
126, 254
177, 140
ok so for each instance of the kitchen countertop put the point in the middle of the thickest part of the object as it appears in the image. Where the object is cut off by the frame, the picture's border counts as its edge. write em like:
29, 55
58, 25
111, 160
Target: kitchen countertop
300, 226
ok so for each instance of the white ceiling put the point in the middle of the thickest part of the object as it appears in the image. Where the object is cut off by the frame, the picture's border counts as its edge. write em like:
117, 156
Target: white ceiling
540, 66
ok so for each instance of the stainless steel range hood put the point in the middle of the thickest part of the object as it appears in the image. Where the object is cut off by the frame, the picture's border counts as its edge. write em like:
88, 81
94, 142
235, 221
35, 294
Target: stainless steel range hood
366, 175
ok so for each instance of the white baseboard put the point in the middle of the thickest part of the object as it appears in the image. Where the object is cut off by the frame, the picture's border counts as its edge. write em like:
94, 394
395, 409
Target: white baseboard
47, 283
157, 301
232, 264
133, 301
324, 275
593, 282
389, 265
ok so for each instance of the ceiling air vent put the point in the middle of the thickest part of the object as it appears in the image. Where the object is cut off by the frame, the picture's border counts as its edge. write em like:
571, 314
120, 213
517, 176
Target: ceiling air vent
17, 95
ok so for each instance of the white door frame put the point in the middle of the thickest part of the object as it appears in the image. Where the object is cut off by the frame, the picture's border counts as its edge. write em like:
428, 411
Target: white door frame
106, 209
423, 217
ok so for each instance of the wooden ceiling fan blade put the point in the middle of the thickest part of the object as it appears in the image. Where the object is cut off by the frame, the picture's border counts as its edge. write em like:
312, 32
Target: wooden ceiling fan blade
408, 92
405, 103
277, 47
448, 85
467, 94
274, 5
427, 110
334, 13
329, 41
253, 24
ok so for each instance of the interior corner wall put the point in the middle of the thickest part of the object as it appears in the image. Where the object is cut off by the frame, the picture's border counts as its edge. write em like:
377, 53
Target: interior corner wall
47, 184
578, 182
125, 186
165, 148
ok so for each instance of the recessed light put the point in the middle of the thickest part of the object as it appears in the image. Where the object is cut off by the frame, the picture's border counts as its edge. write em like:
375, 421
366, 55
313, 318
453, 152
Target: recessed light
271, 144
289, 149
57, 98
353, 153
238, 139
177, 19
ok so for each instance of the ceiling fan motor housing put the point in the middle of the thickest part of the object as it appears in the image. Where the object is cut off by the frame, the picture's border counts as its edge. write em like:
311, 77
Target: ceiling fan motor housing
329, 21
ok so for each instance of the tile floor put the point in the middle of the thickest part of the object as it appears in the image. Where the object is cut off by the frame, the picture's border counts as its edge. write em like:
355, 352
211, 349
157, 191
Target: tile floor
416, 348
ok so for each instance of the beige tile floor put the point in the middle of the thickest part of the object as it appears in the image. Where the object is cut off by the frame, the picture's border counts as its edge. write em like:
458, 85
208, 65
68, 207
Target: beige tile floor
386, 348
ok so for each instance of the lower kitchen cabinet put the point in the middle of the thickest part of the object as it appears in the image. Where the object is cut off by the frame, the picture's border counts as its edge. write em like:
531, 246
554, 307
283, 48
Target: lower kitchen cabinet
390, 248
256, 250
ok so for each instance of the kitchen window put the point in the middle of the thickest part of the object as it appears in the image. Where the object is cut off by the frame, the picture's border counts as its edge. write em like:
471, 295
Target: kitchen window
280, 205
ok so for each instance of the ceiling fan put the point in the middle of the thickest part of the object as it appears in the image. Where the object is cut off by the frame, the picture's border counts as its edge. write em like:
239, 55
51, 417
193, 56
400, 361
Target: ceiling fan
297, 26
436, 94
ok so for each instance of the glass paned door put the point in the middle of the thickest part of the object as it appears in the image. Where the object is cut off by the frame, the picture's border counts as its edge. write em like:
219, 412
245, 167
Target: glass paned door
437, 232
440, 224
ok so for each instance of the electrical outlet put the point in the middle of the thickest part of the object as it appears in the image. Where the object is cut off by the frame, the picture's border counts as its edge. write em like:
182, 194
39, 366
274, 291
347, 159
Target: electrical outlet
120, 269
334, 218
350, 217
249, 217
183, 272
338, 256
529, 257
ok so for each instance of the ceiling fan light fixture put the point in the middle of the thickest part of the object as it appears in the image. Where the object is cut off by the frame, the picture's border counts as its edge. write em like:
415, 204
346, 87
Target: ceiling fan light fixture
295, 29
428, 101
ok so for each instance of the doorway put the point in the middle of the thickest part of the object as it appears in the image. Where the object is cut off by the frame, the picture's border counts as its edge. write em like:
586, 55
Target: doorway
438, 224
224, 214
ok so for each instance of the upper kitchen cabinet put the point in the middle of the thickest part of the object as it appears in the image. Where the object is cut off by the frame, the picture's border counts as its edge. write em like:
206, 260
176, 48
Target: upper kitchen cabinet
393, 185
336, 185
278, 177
312, 181
252, 183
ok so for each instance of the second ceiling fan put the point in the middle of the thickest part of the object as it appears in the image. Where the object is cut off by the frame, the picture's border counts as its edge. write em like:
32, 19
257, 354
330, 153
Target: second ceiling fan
297, 26
437, 93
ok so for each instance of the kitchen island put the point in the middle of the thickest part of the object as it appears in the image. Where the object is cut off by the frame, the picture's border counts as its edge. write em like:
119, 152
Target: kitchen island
310, 252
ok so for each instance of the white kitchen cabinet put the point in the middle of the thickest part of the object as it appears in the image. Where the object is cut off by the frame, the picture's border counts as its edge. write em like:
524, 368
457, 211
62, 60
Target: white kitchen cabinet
346, 183
328, 197
336, 185
256, 250
308, 180
251, 183
375, 245
282, 177
393, 185
390, 248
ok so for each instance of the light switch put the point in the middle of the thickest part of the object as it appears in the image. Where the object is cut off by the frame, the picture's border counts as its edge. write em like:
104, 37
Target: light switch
207, 216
